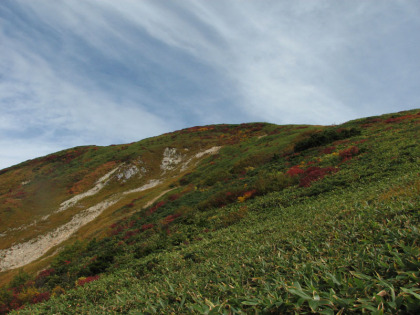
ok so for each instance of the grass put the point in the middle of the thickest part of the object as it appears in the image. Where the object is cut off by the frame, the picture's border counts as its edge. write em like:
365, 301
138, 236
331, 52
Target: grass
259, 228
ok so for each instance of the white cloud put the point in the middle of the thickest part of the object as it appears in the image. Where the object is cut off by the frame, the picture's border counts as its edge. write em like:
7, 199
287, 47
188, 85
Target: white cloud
16, 151
103, 71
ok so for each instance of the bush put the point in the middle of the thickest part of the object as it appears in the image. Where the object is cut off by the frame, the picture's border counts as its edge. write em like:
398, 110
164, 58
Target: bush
347, 154
269, 182
234, 216
325, 137
83, 280
314, 173
253, 161
19, 279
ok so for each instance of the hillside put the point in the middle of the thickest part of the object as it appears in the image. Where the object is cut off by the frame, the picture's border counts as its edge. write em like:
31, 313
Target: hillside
219, 219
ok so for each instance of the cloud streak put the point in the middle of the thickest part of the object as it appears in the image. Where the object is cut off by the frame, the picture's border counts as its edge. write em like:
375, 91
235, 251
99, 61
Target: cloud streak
102, 72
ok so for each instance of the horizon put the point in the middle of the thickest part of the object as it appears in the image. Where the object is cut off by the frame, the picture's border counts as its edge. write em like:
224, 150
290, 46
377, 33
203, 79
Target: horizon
255, 122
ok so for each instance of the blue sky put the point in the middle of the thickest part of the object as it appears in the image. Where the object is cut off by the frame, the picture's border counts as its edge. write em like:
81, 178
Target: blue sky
104, 71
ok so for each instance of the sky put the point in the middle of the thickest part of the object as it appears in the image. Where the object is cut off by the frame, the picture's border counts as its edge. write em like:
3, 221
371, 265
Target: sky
101, 72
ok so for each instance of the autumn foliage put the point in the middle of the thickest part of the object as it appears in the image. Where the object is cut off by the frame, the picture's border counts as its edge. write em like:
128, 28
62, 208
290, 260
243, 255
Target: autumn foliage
349, 153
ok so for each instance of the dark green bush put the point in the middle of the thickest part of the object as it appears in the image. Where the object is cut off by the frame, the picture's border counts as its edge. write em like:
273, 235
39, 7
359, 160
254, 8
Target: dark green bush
325, 137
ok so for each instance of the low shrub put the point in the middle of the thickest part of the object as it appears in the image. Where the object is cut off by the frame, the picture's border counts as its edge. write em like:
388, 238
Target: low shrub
314, 173
349, 153
83, 280
234, 216
325, 137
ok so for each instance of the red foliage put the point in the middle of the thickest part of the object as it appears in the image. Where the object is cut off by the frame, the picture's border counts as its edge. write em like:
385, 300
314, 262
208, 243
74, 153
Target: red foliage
117, 230
131, 233
371, 122
392, 120
398, 119
347, 154
312, 174
82, 282
46, 273
171, 217
249, 193
157, 206
41, 297
275, 131
4, 309
19, 194
361, 141
294, 171
174, 197
328, 150
145, 227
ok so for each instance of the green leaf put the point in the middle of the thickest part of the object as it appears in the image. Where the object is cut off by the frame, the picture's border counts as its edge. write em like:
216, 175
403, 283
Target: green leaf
360, 275
410, 291
300, 293
250, 302
313, 305
333, 278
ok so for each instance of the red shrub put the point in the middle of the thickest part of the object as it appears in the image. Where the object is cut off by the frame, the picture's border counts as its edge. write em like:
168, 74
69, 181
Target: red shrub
130, 234
328, 150
117, 230
46, 273
19, 194
171, 217
347, 154
4, 309
82, 282
294, 171
157, 206
361, 141
41, 297
312, 174
145, 227
174, 197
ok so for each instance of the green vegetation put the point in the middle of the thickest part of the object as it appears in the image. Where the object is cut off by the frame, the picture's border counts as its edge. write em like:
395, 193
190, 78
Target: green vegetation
283, 219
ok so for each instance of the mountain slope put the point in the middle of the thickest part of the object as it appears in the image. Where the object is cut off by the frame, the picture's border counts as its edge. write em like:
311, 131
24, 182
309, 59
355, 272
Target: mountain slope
44, 201
231, 219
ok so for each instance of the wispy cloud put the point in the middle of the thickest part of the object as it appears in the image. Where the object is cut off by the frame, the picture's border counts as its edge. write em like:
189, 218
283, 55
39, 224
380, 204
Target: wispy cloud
101, 72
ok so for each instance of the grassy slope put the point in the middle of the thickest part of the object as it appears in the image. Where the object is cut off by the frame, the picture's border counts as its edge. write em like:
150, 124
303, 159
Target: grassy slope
35, 188
241, 233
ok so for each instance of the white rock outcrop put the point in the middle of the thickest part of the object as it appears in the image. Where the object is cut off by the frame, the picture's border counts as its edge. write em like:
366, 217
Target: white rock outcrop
171, 158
